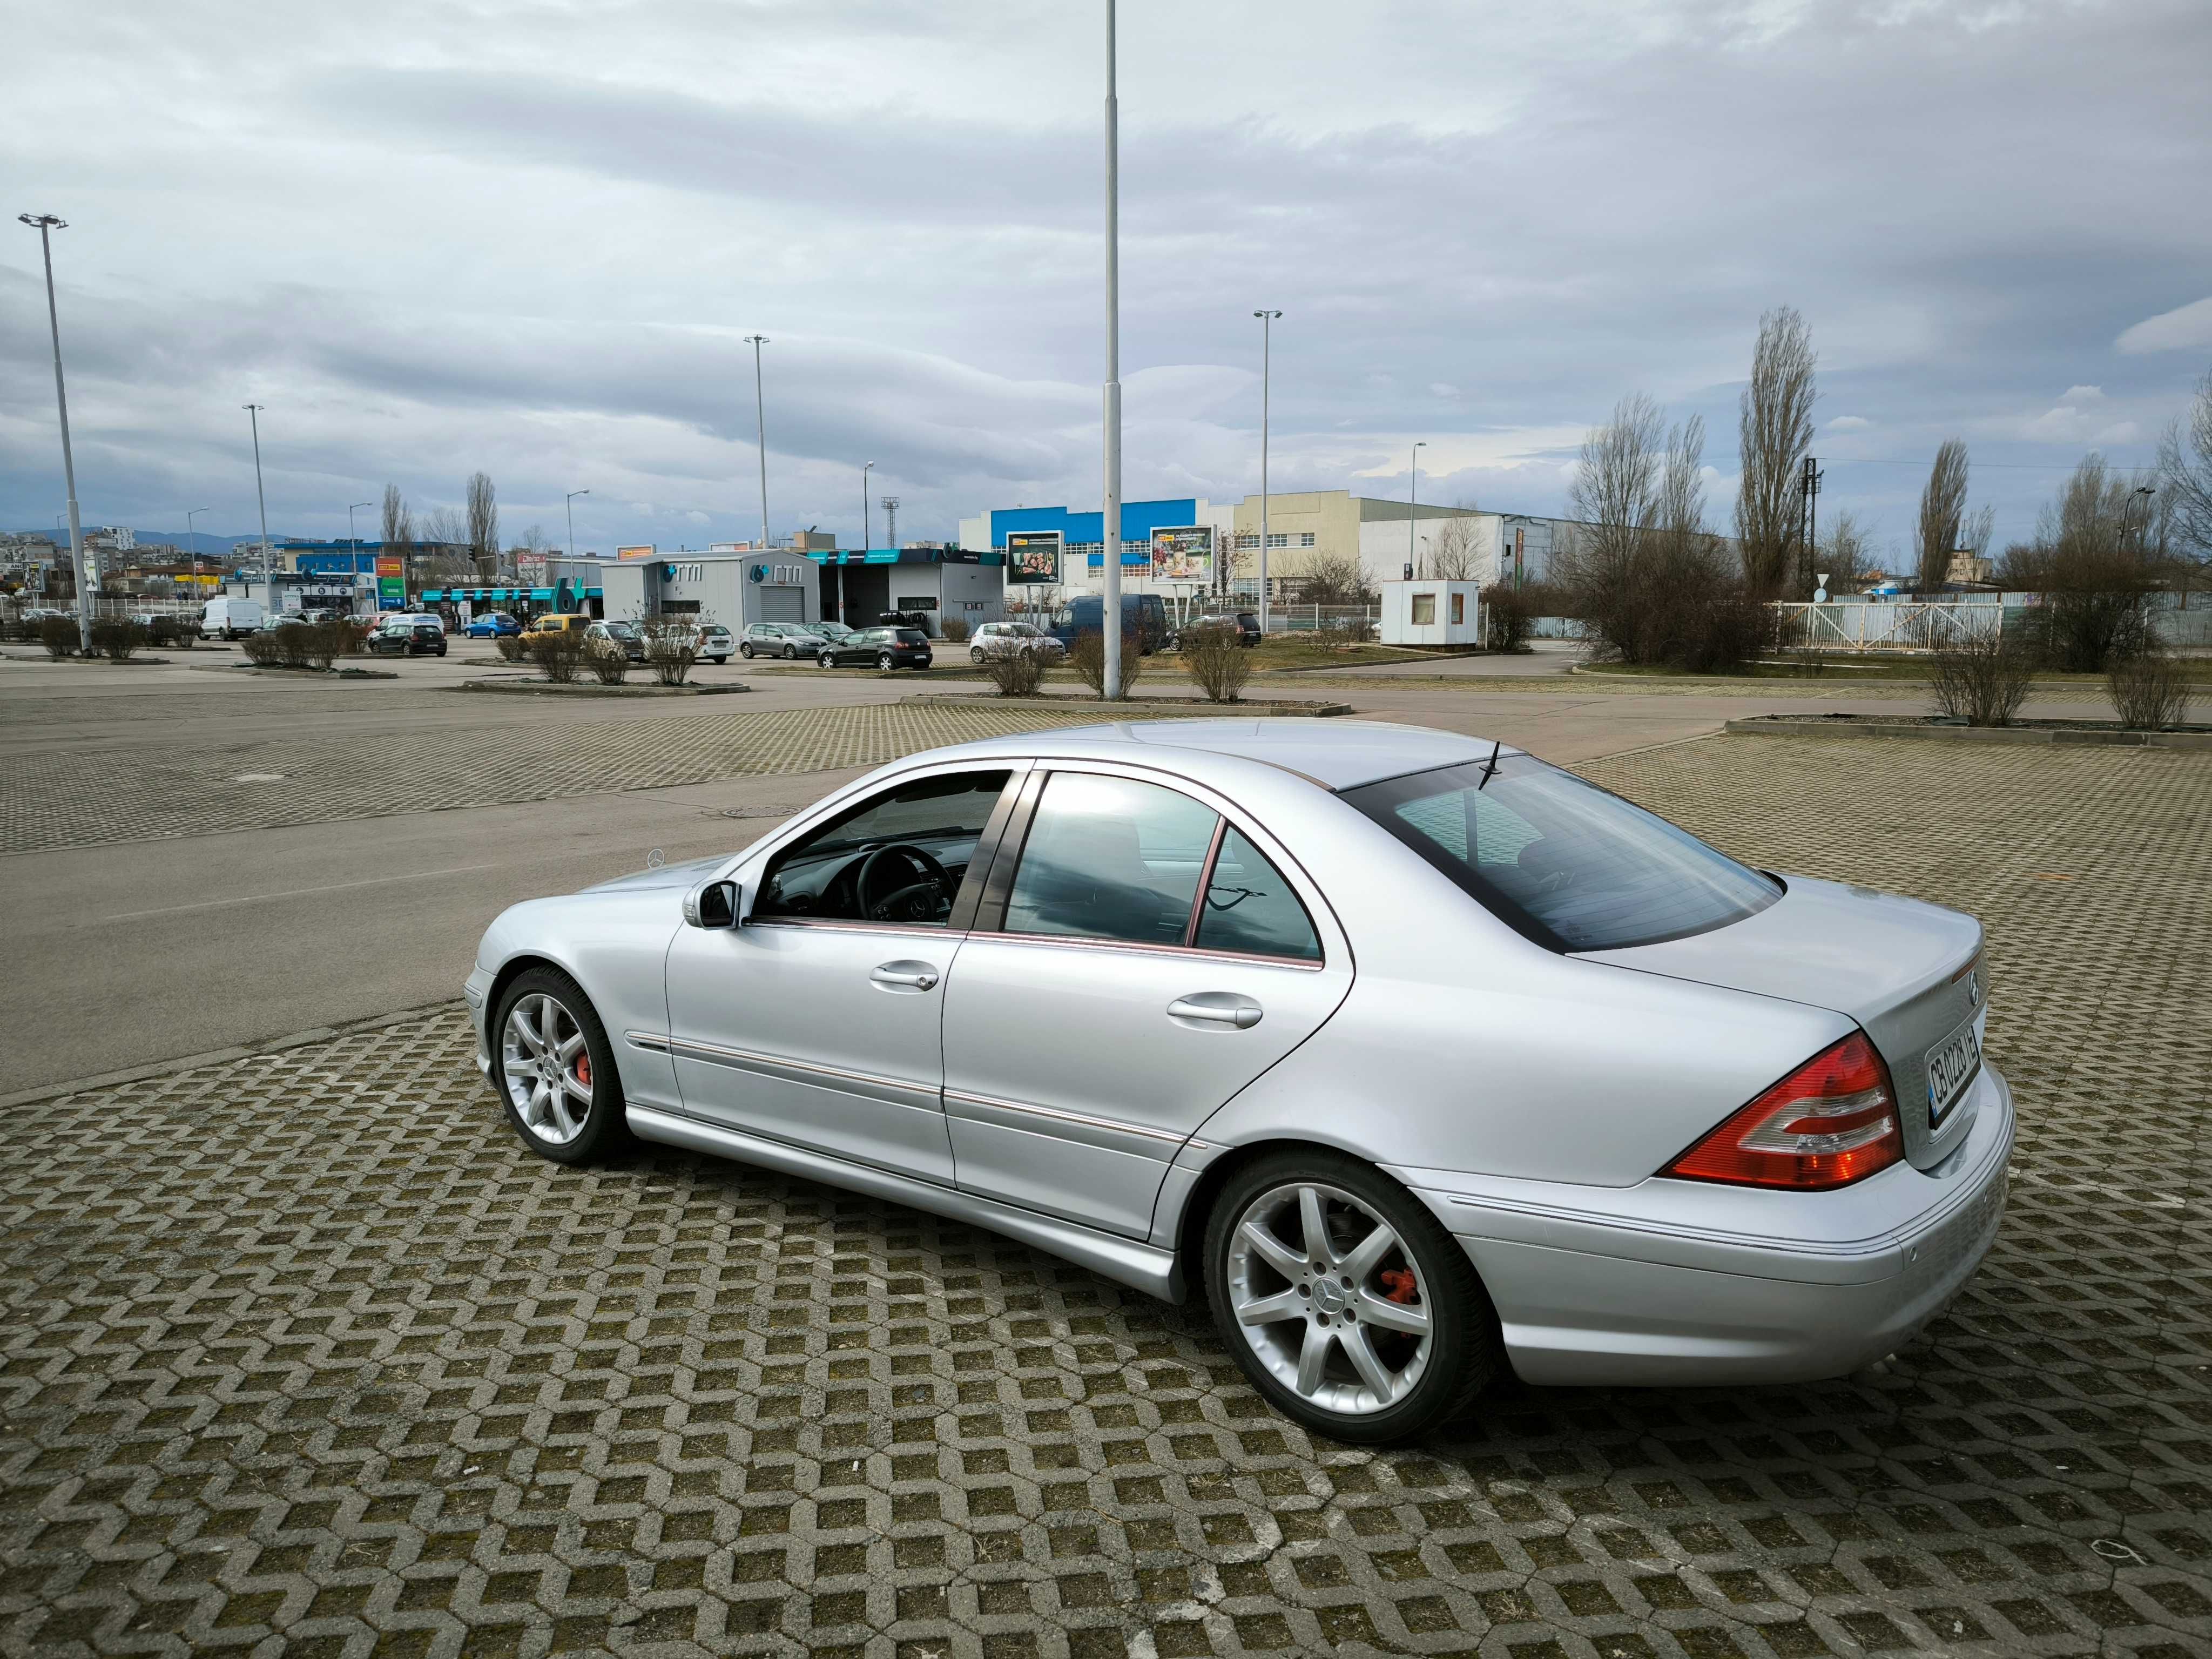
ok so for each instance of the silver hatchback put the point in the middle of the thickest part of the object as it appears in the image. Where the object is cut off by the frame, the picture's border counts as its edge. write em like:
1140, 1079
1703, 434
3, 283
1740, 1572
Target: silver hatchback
1417, 1058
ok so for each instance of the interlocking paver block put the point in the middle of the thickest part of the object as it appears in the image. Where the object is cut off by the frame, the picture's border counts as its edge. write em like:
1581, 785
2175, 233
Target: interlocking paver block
304, 1355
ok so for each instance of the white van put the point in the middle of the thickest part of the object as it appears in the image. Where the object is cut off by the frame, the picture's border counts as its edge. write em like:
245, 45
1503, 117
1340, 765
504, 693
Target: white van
230, 617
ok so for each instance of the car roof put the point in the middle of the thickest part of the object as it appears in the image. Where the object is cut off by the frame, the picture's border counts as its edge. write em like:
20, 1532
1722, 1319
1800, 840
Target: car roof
1336, 753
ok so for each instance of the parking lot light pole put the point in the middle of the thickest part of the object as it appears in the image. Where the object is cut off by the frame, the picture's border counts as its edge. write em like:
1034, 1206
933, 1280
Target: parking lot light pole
865, 521
46, 224
569, 505
267, 548
760, 426
193, 536
1413, 490
1109, 527
1267, 327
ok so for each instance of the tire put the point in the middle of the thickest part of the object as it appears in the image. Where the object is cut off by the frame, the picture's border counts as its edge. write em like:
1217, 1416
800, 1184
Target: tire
825, 660
602, 1129
1432, 1378
791, 653
886, 664
746, 652
441, 650
975, 655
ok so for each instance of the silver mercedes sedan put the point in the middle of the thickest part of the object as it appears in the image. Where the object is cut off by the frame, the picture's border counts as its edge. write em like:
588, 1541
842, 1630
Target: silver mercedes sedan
1418, 1058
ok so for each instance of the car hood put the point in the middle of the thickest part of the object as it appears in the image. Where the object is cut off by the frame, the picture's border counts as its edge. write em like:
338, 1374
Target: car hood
686, 874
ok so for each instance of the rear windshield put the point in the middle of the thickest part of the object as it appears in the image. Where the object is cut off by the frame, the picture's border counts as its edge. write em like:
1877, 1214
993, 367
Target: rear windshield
912, 636
1562, 861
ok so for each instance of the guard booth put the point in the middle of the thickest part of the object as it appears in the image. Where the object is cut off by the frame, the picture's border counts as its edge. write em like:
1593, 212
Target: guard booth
934, 583
1432, 613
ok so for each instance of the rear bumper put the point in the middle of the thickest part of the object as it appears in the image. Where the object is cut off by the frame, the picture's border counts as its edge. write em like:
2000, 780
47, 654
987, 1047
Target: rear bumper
1678, 1283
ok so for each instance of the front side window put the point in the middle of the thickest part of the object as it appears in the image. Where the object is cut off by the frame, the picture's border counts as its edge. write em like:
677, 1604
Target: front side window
1112, 858
899, 857
1561, 861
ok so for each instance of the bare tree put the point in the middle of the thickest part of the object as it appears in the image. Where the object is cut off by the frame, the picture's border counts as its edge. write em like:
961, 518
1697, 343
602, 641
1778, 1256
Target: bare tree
2095, 568
483, 523
2185, 488
1614, 485
398, 522
445, 525
1942, 510
1774, 429
1333, 578
1845, 553
1453, 547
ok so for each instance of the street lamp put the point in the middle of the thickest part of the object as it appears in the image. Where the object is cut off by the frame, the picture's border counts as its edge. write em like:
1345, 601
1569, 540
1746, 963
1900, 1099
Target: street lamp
866, 532
569, 504
760, 426
376, 588
1109, 517
268, 549
1267, 325
1413, 488
193, 536
46, 224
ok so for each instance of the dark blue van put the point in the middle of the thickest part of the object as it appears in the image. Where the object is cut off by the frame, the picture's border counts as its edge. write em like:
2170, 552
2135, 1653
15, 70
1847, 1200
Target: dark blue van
1142, 616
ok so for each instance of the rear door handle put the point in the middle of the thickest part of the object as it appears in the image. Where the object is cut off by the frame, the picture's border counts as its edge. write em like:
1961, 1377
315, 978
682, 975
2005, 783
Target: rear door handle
905, 975
1216, 1008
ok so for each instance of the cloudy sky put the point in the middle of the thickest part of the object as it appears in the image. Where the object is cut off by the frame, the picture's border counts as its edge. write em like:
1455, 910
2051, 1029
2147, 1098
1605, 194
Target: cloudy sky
530, 237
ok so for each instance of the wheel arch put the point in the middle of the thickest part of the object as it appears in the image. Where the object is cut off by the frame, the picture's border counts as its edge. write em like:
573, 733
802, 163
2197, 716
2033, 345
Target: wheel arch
1189, 1227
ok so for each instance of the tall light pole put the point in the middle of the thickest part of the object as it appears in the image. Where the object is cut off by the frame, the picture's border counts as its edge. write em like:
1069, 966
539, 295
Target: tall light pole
1109, 525
193, 536
569, 504
891, 520
1412, 489
1267, 327
46, 224
375, 588
760, 426
268, 549
866, 532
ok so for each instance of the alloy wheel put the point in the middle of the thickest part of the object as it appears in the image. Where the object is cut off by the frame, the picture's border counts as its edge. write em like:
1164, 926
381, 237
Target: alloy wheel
1330, 1300
547, 1068
886, 662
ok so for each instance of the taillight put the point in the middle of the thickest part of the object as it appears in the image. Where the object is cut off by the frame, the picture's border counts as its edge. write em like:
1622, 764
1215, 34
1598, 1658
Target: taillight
1832, 1122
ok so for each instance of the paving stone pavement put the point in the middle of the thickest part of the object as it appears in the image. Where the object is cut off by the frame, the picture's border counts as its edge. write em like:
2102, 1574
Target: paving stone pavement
87, 798
304, 1356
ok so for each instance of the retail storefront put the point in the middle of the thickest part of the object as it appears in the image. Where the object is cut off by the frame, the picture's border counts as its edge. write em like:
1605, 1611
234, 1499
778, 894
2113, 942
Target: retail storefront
934, 583
734, 588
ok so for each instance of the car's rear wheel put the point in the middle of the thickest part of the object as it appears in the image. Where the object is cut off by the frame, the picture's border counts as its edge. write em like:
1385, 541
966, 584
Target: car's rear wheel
886, 663
555, 1070
1346, 1304
746, 652
976, 654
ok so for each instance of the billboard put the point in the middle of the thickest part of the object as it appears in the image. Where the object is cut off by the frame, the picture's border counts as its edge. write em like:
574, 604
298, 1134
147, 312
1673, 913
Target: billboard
390, 579
644, 552
1033, 557
1183, 554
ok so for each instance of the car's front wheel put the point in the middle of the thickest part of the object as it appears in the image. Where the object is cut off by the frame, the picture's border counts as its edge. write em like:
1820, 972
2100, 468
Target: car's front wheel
555, 1070
791, 653
1346, 1304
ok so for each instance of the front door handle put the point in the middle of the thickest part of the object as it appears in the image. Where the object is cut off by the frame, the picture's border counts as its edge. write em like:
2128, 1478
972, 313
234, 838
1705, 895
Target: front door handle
905, 975
1216, 1008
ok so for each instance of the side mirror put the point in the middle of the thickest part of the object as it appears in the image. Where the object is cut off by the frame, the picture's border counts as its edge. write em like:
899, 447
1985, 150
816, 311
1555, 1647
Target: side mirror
711, 904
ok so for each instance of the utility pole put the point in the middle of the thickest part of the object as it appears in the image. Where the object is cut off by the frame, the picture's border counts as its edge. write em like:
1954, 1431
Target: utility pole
86, 582
193, 536
1808, 491
1267, 327
760, 426
267, 548
866, 532
570, 504
375, 586
1109, 525
1413, 490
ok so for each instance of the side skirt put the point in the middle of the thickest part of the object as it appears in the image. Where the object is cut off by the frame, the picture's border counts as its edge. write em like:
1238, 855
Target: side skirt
1142, 1267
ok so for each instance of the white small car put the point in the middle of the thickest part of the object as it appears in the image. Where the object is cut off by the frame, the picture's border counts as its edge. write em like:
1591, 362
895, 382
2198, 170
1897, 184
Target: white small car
1013, 638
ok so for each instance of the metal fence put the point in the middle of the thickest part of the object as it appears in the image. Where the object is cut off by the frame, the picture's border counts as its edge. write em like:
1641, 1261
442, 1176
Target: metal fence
1901, 625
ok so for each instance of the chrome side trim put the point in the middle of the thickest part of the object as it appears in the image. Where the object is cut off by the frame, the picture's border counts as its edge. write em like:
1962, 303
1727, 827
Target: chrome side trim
651, 1041
1155, 1272
897, 1090
1105, 1131
844, 925
1192, 952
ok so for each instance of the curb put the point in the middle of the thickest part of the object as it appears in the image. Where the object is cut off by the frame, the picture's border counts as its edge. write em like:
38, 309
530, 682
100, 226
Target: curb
1185, 708
309, 1038
1848, 725
531, 688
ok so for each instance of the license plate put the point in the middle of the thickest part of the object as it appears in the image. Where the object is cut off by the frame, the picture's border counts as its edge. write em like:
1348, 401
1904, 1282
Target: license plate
1951, 1064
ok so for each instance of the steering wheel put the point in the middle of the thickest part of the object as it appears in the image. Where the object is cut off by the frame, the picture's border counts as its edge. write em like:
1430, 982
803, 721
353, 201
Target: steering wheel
936, 882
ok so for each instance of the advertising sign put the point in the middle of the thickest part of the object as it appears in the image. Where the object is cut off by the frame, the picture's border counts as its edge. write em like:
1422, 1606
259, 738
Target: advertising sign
644, 552
532, 569
1183, 554
391, 580
1033, 557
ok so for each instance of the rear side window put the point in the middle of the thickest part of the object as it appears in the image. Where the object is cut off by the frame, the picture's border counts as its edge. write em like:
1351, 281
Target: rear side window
1562, 861
1250, 908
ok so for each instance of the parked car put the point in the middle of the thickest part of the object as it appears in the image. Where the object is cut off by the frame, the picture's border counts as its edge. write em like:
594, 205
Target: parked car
1244, 624
40, 613
712, 642
494, 625
1004, 639
557, 622
887, 648
616, 637
231, 618
413, 635
790, 640
1143, 616
1420, 1058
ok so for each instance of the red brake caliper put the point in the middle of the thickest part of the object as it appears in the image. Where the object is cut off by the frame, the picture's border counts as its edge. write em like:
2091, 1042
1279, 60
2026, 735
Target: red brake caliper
1399, 1285
584, 1069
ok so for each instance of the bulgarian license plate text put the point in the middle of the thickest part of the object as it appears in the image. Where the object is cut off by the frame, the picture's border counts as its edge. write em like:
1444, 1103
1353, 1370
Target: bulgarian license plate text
1952, 1064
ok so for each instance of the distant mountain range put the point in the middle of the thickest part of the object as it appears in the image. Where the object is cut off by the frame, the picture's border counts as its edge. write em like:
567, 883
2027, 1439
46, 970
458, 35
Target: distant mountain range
207, 540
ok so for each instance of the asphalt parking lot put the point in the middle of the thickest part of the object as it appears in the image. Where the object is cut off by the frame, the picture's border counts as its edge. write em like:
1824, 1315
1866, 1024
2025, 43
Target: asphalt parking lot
301, 1354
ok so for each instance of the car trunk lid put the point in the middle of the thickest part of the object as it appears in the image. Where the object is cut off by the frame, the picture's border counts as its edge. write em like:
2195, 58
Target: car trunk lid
1909, 973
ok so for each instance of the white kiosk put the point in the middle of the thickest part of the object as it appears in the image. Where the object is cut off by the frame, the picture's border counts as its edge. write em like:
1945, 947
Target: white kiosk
1432, 613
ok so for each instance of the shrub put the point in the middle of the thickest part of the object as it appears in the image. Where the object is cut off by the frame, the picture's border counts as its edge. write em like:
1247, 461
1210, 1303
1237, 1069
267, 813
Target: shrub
608, 667
1088, 659
556, 655
181, 633
320, 644
117, 640
2149, 692
956, 630
1216, 660
1982, 680
1015, 673
671, 646
263, 650
1508, 619
58, 634
509, 646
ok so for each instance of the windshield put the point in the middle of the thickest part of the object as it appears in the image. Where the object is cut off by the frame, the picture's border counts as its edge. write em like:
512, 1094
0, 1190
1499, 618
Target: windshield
1562, 861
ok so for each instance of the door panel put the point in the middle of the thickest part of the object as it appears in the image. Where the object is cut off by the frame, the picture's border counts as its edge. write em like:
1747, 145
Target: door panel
780, 1029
